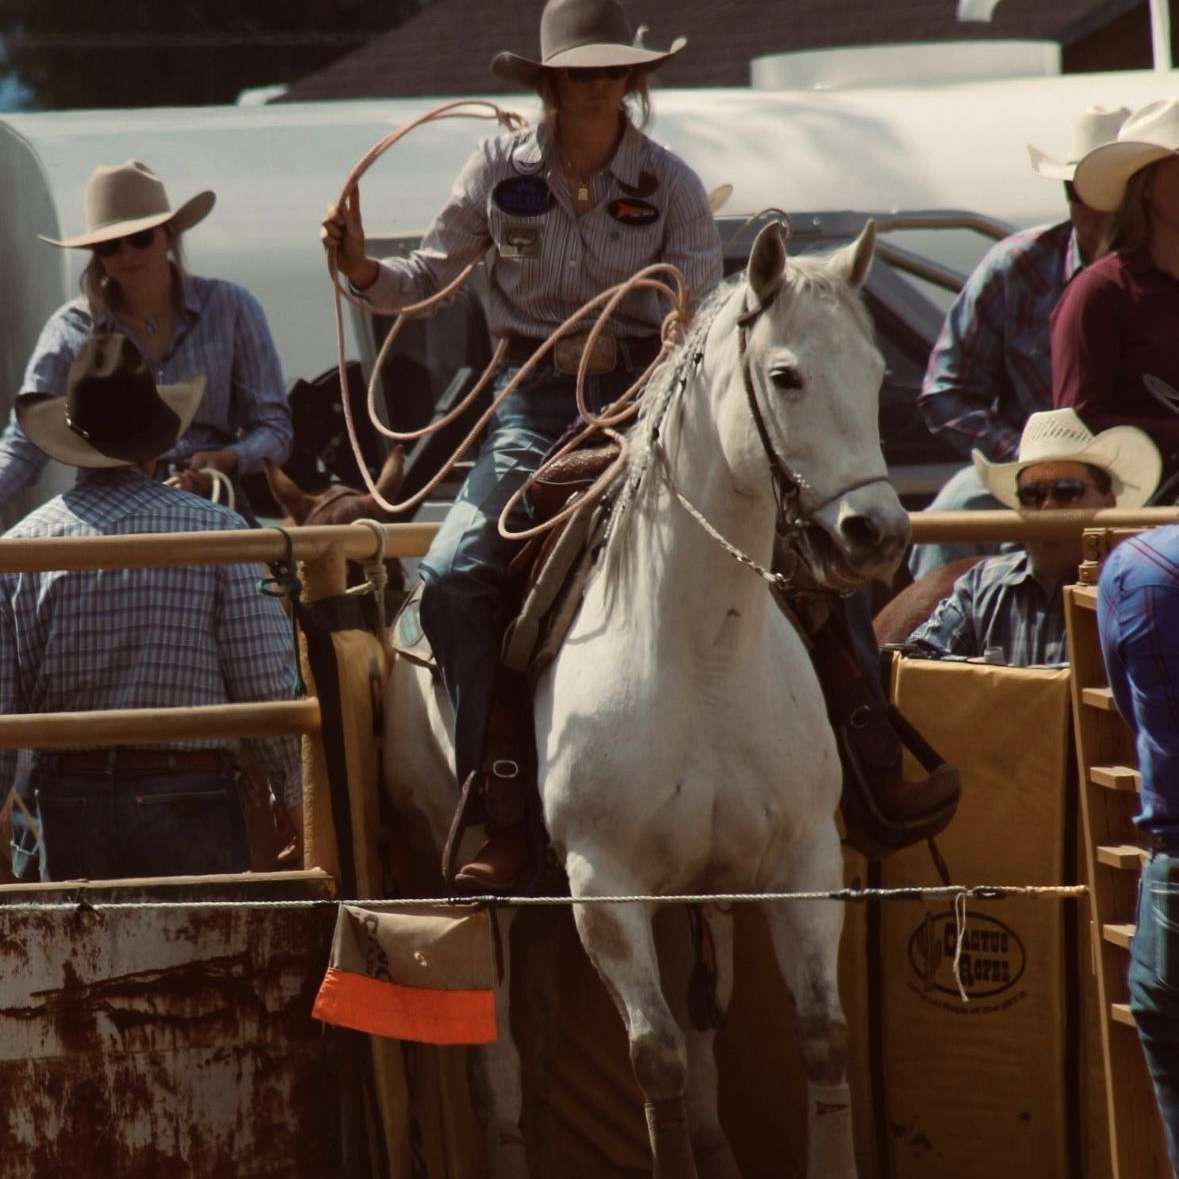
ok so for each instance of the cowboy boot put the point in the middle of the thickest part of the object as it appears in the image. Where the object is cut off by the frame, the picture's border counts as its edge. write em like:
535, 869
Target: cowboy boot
507, 860
869, 735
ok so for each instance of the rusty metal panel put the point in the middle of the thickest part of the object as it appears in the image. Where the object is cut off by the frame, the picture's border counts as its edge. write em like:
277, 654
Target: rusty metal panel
151, 1042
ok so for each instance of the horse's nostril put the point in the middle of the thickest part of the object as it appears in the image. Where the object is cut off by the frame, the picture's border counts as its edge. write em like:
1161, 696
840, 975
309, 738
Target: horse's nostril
860, 531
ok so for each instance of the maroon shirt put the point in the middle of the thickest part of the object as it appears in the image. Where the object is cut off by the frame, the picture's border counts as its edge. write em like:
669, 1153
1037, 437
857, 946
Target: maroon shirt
1119, 319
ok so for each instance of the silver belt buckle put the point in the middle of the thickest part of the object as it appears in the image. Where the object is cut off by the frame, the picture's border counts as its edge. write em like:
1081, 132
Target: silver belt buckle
568, 351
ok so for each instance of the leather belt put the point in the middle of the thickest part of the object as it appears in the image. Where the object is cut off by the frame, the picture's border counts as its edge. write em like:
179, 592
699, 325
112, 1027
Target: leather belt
634, 352
175, 761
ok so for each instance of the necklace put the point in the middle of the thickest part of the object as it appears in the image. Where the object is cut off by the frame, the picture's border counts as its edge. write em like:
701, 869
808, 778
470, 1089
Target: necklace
151, 324
575, 177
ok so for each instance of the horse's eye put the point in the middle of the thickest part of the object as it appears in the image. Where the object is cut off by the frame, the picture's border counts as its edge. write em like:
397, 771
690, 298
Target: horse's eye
786, 378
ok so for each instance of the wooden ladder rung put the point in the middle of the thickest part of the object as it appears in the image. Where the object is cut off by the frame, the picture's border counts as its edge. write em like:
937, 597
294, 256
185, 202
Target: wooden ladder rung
1116, 777
1118, 935
1124, 856
1085, 596
1101, 698
1121, 1013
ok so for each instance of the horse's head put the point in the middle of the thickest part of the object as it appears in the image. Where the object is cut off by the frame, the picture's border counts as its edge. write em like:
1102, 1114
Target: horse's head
811, 372
342, 505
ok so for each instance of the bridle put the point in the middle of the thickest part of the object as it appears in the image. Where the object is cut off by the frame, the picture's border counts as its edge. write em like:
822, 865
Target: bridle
792, 516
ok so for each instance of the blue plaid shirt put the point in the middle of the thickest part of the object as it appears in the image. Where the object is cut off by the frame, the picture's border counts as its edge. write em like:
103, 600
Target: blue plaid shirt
1138, 619
999, 603
143, 638
220, 333
991, 367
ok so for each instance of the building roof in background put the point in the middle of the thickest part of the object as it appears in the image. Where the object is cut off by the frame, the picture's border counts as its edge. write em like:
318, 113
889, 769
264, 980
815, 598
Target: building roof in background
447, 47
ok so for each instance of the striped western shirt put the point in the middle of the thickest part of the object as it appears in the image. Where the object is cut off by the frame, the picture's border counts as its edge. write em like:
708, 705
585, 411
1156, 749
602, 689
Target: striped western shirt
221, 334
999, 603
142, 638
991, 367
648, 206
1138, 619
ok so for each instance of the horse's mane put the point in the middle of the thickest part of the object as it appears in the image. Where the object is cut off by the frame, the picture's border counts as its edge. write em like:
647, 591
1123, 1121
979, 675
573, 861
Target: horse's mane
805, 274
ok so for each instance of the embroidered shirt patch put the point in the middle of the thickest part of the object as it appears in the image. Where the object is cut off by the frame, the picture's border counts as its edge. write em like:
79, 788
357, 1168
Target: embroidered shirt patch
523, 196
630, 211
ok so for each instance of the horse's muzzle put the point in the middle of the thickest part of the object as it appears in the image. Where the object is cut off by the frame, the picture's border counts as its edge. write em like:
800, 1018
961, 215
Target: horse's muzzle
868, 529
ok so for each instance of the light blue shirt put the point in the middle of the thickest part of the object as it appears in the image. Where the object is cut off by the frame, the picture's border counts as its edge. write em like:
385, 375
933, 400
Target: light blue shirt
221, 334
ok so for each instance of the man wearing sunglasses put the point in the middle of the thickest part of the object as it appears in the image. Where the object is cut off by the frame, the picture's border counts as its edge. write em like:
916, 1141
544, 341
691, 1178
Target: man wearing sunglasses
1013, 601
991, 365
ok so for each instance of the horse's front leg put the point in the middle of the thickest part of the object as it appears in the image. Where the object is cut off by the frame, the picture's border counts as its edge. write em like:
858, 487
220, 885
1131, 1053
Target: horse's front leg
620, 942
497, 1079
806, 943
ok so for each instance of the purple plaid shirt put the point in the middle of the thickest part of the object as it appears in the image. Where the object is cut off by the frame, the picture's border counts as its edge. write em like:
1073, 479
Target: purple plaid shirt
992, 364
221, 334
143, 638
1138, 616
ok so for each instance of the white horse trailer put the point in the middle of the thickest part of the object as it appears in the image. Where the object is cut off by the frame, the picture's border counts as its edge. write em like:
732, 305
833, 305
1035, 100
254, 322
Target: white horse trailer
875, 148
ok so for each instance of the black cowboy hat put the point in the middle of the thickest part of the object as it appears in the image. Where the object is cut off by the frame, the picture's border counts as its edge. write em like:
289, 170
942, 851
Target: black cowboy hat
112, 414
583, 34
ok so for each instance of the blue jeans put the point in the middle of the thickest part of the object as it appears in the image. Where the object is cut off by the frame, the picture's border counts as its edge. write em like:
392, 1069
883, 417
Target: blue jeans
465, 603
97, 825
1154, 986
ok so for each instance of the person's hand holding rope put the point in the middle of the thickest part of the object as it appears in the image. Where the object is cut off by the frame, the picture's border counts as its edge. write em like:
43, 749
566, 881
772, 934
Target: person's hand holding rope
342, 233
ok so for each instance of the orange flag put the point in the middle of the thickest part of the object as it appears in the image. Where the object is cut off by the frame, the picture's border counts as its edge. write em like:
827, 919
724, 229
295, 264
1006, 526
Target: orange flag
425, 974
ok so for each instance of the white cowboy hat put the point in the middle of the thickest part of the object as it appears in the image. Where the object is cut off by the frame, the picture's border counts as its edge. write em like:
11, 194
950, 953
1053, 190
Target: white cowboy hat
1095, 127
1149, 134
583, 34
125, 198
112, 414
1126, 453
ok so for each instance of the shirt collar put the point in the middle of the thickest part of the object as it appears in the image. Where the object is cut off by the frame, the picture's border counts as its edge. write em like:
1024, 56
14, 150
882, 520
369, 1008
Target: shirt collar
1072, 257
534, 149
1018, 569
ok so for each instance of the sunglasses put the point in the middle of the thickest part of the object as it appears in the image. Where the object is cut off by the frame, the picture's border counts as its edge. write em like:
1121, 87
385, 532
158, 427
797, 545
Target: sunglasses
1063, 491
137, 241
593, 73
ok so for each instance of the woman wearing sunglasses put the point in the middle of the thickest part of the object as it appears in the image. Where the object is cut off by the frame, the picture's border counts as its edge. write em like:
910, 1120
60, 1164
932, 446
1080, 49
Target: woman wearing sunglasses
570, 208
1115, 347
135, 283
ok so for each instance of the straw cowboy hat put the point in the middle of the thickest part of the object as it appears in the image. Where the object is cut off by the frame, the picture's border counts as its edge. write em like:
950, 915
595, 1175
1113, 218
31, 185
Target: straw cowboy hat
1095, 127
1149, 134
125, 198
112, 414
583, 34
1127, 453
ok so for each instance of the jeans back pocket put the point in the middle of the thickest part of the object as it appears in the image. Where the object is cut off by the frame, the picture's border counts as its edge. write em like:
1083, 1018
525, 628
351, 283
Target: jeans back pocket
1164, 905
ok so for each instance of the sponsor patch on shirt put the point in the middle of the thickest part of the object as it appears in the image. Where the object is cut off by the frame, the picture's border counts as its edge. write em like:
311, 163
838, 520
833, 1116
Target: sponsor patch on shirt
520, 240
523, 196
631, 211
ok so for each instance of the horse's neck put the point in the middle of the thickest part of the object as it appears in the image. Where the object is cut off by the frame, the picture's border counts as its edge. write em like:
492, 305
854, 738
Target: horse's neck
684, 574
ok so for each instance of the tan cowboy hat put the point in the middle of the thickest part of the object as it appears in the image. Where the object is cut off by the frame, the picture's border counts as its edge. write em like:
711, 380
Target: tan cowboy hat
1148, 135
1095, 127
125, 198
112, 414
1126, 453
583, 34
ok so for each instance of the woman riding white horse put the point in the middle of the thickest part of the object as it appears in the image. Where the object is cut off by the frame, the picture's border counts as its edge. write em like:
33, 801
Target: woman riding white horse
573, 207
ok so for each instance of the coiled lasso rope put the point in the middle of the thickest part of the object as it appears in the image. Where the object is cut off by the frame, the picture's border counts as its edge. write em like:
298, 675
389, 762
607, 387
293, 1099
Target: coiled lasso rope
222, 486
661, 277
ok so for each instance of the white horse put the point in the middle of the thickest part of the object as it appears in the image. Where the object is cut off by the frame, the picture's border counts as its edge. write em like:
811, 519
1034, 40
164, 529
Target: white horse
682, 737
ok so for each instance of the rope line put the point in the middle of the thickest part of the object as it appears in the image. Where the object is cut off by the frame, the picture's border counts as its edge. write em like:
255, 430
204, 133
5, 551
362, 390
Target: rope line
979, 892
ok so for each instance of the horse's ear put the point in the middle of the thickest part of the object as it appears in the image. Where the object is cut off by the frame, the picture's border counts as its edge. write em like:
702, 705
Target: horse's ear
286, 491
389, 480
853, 262
767, 261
